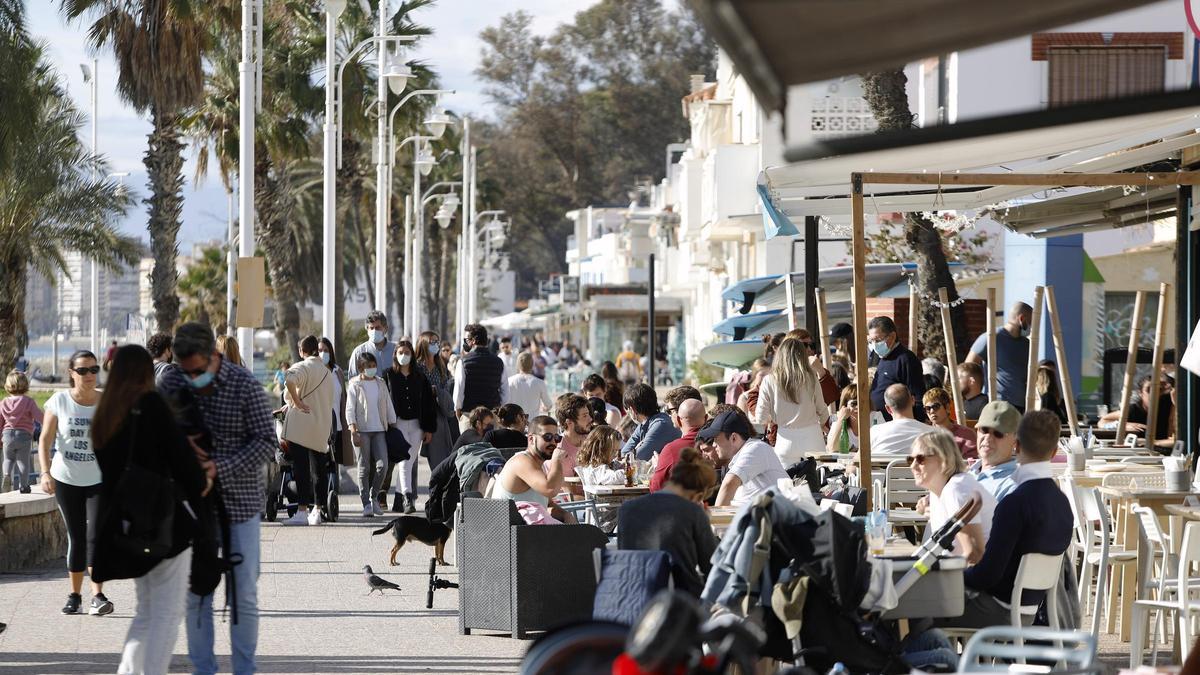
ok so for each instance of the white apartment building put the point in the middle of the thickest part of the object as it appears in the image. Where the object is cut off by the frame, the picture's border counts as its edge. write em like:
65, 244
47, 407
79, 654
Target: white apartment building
65, 304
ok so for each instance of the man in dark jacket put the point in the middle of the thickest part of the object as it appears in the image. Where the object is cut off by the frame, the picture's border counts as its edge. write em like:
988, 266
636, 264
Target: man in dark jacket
894, 364
479, 376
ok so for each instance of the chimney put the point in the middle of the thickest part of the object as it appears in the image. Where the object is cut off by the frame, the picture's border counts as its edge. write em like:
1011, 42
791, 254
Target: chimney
697, 81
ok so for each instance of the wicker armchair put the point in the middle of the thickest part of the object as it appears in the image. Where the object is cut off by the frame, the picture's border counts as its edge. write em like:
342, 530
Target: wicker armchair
518, 578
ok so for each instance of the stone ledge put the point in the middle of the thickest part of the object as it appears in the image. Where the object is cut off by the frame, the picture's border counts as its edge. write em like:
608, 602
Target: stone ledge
15, 505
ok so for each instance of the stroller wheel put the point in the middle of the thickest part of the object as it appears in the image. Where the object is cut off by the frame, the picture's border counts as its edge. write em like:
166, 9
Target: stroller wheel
333, 506
271, 509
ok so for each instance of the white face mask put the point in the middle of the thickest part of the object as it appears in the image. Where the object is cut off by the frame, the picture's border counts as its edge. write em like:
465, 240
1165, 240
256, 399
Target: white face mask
375, 335
404, 359
325, 358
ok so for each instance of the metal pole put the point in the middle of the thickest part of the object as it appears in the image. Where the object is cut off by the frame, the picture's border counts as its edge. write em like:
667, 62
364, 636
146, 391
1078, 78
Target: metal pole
329, 188
94, 305
650, 341
472, 271
811, 263
410, 316
246, 99
468, 156
382, 183
230, 265
418, 236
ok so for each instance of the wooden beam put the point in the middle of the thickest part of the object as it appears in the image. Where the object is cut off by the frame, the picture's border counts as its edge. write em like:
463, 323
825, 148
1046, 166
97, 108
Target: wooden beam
822, 325
991, 340
1035, 336
859, 252
1064, 372
914, 307
789, 291
951, 356
1135, 337
1160, 334
1034, 179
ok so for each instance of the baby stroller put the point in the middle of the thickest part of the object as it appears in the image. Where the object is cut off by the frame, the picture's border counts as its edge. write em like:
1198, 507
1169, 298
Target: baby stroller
281, 490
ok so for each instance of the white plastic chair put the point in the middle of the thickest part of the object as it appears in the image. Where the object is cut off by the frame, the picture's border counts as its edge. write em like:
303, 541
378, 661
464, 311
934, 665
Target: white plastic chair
1099, 553
1185, 606
900, 488
1037, 572
1074, 650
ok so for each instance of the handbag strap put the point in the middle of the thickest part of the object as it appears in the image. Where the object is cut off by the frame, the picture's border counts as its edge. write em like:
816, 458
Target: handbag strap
325, 377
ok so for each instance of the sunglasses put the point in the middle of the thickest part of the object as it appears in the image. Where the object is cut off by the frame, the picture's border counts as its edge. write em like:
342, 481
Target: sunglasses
551, 438
999, 435
933, 406
89, 370
913, 460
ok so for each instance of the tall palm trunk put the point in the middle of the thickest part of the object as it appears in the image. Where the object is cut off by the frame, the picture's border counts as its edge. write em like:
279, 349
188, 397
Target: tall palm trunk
270, 195
12, 309
885, 94
164, 167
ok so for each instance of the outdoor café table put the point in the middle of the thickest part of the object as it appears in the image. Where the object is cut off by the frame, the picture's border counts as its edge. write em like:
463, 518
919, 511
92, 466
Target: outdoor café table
1128, 535
721, 517
1185, 511
906, 518
610, 497
574, 486
1093, 476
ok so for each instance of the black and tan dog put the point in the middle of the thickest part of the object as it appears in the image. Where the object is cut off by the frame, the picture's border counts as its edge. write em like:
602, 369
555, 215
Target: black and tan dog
407, 528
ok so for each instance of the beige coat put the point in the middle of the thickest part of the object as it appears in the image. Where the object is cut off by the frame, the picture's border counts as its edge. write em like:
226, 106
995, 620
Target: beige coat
314, 383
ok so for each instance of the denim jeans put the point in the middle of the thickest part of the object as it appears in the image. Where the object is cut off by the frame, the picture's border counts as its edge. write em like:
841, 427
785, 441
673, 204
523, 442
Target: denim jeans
927, 648
243, 635
18, 459
372, 465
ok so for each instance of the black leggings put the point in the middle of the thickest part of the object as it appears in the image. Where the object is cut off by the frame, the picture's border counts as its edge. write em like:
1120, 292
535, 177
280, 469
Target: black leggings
310, 467
78, 508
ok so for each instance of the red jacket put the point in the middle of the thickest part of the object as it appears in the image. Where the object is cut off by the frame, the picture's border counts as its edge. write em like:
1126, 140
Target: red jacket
667, 458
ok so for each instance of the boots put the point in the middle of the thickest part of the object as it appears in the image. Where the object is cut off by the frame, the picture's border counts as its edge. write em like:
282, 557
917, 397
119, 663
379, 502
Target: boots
398, 504
410, 503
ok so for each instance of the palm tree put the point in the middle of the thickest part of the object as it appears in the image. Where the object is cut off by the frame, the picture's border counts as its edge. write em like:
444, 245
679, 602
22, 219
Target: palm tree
202, 290
49, 202
158, 45
19, 100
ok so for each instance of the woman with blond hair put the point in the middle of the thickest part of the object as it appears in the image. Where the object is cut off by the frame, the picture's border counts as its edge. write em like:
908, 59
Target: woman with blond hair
938, 466
228, 346
597, 456
790, 396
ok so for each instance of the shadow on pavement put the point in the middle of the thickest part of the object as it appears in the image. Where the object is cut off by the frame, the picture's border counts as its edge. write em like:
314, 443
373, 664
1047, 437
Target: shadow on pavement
31, 662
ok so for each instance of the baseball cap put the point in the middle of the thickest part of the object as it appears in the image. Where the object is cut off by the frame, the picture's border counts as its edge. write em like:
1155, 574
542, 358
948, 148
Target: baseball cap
841, 330
727, 422
1001, 416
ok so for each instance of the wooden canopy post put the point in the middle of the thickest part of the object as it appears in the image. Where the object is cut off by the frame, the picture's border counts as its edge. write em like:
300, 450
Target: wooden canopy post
991, 341
789, 290
1160, 330
822, 325
1135, 338
1064, 372
859, 250
914, 307
1035, 338
951, 355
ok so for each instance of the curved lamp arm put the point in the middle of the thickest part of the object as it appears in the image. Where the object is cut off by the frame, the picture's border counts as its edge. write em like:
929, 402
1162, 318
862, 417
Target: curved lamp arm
337, 82
398, 148
446, 183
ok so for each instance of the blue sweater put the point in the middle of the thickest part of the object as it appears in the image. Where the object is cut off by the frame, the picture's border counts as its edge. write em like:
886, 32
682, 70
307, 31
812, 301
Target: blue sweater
1034, 518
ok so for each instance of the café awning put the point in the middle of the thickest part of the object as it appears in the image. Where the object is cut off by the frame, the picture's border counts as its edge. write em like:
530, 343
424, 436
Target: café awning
820, 186
1104, 209
776, 44
836, 282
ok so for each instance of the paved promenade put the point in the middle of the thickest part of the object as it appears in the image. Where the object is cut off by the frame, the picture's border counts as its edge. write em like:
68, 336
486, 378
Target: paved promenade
316, 615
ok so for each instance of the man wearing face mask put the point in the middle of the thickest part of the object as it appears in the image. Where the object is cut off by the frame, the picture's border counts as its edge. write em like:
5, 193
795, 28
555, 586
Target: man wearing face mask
1012, 355
237, 417
377, 344
478, 376
894, 364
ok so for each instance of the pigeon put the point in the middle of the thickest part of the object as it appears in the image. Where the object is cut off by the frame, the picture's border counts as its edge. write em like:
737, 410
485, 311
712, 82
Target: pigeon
376, 583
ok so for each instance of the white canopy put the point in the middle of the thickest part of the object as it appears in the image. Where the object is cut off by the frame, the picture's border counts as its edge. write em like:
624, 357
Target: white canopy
822, 186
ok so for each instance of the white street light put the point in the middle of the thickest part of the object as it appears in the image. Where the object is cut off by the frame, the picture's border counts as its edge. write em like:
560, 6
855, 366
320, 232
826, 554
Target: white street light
397, 74
90, 76
335, 8
425, 161
437, 122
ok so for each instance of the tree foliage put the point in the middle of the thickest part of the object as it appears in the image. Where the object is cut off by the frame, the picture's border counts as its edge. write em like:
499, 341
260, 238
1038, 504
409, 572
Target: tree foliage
202, 290
583, 115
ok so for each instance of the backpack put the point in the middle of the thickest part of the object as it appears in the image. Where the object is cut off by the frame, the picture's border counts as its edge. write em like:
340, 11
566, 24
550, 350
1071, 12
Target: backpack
628, 371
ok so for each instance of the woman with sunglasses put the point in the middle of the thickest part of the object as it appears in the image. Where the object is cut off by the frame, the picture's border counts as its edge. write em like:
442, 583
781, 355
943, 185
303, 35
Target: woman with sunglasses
791, 397
847, 420
938, 467
74, 475
937, 407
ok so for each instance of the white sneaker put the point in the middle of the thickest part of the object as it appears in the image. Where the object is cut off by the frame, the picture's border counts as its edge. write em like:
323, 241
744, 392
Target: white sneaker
300, 518
375, 510
314, 517
367, 512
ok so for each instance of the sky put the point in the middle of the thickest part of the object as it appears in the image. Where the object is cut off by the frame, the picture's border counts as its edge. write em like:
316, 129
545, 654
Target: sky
453, 51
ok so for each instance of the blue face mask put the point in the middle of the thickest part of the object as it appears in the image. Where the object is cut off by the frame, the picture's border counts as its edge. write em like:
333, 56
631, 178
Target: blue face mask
881, 349
434, 345
325, 358
203, 381
370, 372
376, 335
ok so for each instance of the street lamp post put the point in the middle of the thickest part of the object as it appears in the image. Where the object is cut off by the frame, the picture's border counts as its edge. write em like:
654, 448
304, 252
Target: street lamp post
472, 261
393, 75
249, 77
411, 266
90, 75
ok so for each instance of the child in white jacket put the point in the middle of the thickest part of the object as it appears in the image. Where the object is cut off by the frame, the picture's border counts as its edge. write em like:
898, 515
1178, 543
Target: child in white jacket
369, 413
